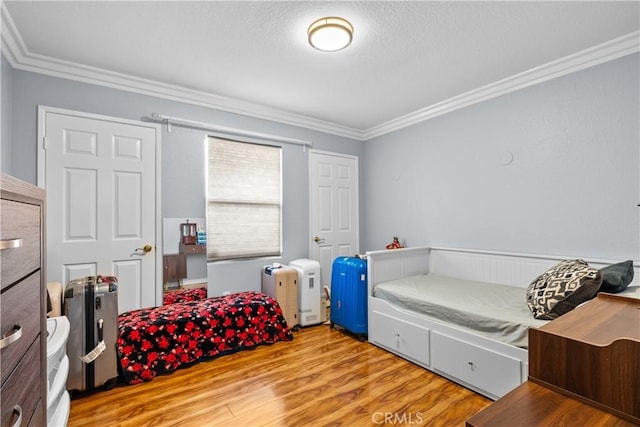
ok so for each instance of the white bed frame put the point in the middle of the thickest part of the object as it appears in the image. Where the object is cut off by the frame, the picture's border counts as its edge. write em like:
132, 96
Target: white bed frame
486, 366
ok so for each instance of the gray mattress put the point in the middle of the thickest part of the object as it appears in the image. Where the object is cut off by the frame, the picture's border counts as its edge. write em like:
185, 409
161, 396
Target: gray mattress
494, 311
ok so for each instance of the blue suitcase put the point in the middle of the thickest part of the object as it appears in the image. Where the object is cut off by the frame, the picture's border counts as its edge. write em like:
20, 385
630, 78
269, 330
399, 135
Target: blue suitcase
349, 294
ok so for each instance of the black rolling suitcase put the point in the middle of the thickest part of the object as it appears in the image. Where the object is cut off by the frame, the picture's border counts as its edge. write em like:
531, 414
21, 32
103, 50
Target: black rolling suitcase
91, 305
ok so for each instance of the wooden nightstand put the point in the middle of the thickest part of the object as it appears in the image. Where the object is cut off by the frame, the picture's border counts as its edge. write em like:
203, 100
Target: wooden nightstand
192, 249
174, 268
583, 370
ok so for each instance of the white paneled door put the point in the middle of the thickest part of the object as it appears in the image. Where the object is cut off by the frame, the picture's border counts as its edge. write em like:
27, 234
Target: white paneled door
334, 215
100, 178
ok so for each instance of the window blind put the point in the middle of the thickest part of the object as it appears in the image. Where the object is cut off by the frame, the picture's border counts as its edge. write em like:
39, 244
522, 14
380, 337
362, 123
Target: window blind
244, 195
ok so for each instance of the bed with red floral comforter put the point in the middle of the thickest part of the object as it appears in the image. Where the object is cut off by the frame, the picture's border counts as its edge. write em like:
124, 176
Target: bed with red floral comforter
184, 295
162, 339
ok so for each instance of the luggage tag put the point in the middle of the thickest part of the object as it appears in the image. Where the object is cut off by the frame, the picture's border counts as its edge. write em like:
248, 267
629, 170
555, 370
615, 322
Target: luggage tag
99, 349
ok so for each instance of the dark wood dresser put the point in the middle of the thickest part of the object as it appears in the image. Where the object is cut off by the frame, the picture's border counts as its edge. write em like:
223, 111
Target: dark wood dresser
584, 369
23, 344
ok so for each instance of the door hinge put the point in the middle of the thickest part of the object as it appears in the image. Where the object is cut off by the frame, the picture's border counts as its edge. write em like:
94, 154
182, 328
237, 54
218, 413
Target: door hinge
44, 143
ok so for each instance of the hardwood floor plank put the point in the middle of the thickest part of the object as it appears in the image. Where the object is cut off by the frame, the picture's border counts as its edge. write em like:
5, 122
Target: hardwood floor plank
337, 391
322, 377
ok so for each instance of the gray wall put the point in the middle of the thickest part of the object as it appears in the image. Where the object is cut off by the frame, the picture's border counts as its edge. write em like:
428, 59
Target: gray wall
571, 189
6, 106
183, 161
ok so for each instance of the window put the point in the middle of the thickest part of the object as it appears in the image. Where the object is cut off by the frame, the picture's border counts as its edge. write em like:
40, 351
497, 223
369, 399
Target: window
243, 200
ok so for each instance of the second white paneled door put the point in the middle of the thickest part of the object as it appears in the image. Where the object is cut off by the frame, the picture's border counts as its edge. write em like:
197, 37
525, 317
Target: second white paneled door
334, 213
100, 177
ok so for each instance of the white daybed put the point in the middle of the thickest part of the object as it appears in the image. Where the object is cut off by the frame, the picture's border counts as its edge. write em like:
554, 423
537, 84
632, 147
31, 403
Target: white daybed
488, 362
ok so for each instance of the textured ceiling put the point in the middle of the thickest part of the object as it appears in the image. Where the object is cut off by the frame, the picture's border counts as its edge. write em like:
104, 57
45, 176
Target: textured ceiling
405, 56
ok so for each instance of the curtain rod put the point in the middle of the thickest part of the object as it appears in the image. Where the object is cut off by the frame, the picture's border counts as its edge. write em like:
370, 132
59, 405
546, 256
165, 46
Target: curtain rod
228, 130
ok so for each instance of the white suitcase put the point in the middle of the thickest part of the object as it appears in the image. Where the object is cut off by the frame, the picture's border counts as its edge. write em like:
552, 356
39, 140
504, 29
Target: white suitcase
309, 291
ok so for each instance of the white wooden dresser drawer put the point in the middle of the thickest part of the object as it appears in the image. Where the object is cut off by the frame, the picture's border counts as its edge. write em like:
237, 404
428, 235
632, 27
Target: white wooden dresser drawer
399, 336
492, 372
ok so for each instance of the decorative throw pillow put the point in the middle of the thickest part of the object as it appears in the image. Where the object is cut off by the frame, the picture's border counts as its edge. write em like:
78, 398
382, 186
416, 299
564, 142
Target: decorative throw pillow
616, 277
562, 288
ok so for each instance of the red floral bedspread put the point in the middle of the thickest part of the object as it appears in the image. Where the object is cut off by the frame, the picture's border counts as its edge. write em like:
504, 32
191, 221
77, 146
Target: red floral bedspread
184, 295
162, 339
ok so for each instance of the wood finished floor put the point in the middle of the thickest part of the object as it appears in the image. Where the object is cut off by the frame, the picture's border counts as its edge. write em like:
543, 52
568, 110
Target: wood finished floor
323, 377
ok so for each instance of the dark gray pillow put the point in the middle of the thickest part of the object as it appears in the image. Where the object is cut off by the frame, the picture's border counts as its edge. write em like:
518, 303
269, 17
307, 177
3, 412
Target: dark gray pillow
616, 277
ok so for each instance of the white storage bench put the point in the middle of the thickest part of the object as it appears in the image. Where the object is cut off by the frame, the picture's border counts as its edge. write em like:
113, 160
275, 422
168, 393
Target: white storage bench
470, 358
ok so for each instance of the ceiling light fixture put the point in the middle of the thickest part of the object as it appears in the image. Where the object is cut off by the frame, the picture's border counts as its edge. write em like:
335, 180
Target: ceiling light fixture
330, 34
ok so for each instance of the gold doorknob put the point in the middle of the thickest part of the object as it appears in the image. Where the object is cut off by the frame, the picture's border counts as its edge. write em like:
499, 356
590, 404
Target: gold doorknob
146, 248
318, 240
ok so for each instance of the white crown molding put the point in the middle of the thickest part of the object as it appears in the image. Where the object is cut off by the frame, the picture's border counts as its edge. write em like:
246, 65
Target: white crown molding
20, 58
599, 54
12, 45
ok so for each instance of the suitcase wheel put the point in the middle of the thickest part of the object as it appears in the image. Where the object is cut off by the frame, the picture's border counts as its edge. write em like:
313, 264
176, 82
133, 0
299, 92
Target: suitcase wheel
110, 384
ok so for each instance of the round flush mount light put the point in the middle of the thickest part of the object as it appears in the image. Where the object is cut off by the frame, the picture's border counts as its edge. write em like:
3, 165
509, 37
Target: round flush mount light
330, 34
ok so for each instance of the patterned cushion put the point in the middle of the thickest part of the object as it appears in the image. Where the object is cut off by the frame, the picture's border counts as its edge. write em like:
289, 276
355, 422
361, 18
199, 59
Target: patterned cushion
562, 288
